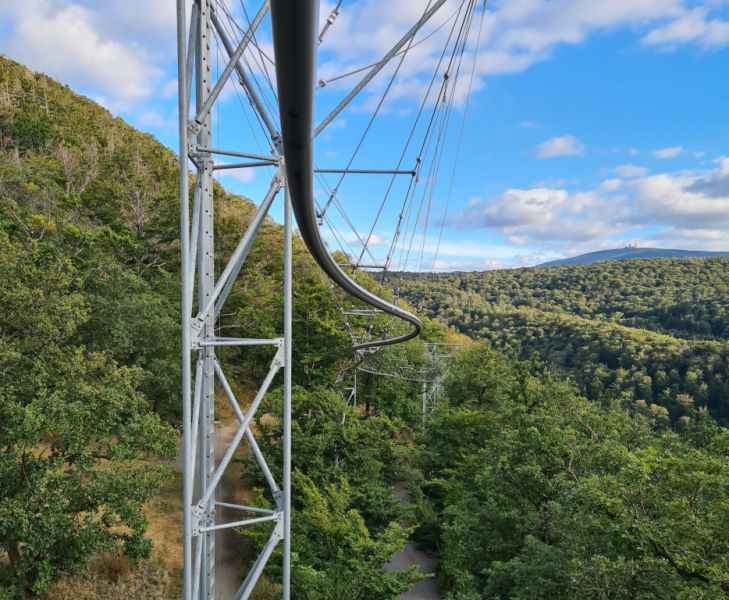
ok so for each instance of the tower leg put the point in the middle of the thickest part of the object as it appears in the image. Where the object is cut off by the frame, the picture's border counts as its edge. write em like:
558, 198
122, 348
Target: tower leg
202, 477
186, 305
288, 298
206, 283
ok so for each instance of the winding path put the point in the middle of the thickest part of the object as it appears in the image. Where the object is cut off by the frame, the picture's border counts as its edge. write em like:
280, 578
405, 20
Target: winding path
410, 556
229, 545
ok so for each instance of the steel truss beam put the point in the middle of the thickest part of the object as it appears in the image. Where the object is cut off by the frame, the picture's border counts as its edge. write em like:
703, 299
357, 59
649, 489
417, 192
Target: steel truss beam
431, 378
203, 467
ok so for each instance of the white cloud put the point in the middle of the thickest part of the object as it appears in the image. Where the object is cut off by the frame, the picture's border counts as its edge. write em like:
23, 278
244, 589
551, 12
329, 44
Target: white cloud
715, 183
154, 21
629, 171
245, 175
65, 40
684, 210
691, 26
118, 48
446, 255
543, 214
566, 145
375, 240
155, 118
671, 152
689, 202
610, 185
690, 239
516, 35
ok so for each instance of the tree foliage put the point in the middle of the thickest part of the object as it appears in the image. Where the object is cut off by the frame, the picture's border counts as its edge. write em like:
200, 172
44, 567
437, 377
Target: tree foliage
535, 492
74, 428
520, 485
649, 332
336, 555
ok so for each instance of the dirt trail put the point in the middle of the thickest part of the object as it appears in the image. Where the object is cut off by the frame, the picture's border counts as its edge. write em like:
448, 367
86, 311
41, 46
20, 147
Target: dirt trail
229, 546
410, 556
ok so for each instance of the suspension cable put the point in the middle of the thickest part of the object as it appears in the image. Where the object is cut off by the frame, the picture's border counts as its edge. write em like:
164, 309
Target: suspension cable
324, 82
460, 138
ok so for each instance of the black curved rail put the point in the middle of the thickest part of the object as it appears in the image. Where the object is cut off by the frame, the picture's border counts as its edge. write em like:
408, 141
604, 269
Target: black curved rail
295, 24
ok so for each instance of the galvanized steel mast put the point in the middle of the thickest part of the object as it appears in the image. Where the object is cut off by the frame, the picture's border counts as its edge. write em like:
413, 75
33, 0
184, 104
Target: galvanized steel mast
202, 472
295, 37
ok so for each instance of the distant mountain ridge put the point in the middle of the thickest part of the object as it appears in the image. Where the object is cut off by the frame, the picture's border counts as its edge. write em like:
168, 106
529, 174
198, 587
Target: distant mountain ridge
629, 253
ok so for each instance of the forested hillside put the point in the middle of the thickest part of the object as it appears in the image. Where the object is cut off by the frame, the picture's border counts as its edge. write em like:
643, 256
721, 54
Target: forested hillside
519, 486
682, 297
630, 253
87, 288
89, 285
654, 332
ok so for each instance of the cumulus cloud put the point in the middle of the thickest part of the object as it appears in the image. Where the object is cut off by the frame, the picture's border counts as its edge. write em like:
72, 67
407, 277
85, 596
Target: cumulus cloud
155, 22
690, 26
671, 152
689, 210
698, 239
246, 175
689, 202
156, 118
611, 185
566, 145
629, 171
68, 41
108, 47
716, 183
528, 226
543, 214
375, 240
516, 34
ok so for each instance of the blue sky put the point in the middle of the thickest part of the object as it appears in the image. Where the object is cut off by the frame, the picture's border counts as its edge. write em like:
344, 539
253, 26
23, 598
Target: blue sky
591, 123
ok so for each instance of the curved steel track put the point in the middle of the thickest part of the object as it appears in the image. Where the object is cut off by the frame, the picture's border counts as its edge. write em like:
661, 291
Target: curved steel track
295, 31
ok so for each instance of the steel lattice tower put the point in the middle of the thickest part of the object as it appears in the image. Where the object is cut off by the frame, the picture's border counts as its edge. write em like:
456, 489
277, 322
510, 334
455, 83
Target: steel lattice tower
294, 25
201, 474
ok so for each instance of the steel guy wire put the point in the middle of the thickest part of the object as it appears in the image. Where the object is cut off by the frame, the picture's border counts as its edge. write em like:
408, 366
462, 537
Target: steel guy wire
460, 138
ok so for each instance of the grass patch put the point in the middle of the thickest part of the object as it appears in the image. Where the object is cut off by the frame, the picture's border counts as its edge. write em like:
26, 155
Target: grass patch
113, 578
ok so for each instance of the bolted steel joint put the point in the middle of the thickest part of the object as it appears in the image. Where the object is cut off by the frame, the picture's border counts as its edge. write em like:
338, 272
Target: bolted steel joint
278, 530
280, 359
196, 326
278, 143
197, 514
194, 127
